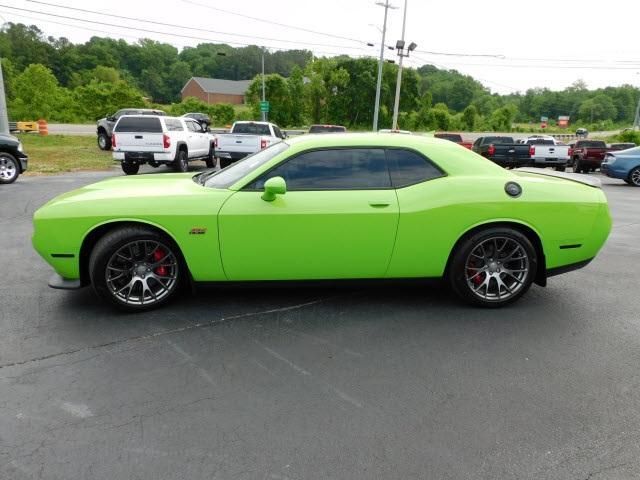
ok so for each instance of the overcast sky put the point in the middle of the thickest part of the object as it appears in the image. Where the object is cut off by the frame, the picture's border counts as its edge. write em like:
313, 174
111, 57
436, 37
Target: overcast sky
540, 44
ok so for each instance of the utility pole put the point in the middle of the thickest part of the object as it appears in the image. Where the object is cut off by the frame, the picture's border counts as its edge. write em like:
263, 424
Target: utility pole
376, 111
400, 47
4, 120
264, 114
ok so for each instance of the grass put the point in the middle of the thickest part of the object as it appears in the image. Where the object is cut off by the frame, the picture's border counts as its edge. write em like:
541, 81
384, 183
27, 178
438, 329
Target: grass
56, 154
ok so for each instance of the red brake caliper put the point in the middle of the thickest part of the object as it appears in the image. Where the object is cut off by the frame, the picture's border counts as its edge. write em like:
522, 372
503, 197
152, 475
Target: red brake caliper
479, 277
158, 255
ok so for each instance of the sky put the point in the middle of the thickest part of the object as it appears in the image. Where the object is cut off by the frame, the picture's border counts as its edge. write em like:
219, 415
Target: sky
507, 45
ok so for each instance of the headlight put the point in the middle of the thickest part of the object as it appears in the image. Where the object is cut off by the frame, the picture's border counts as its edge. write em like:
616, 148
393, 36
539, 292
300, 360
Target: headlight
20, 147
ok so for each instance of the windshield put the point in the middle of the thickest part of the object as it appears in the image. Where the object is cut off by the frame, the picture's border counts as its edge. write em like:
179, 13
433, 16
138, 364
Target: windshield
234, 172
592, 144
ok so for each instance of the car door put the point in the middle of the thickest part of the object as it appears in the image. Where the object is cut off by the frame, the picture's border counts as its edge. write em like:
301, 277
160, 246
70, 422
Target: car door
338, 219
196, 139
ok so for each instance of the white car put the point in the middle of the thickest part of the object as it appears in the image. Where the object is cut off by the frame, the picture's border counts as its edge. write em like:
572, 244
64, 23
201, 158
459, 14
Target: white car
159, 140
244, 139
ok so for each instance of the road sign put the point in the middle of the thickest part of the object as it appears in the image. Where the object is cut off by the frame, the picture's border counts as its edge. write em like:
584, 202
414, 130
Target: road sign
264, 106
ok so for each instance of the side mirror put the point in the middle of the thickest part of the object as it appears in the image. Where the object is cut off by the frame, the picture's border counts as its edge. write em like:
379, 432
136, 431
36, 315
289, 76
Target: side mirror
272, 187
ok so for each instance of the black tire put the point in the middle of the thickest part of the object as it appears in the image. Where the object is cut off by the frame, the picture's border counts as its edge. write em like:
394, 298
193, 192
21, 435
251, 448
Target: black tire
9, 168
225, 162
104, 274
130, 168
634, 177
104, 141
210, 160
181, 162
561, 169
495, 241
577, 167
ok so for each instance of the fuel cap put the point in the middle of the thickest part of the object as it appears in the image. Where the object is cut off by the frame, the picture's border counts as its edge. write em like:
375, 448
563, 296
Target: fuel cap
513, 189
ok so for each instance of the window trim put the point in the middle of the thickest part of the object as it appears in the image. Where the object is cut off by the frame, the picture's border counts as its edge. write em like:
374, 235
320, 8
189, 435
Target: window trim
245, 186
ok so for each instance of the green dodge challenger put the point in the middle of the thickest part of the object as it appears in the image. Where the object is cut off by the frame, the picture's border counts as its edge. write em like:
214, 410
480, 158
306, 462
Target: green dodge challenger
349, 206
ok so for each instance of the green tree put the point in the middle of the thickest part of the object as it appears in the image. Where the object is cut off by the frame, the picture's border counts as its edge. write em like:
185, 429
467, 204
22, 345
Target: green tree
277, 94
38, 95
98, 99
469, 117
295, 83
600, 107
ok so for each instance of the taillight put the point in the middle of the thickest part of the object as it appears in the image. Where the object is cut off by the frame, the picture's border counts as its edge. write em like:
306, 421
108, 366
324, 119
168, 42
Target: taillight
570, 151
166, 141
491, 150
113, 140
263, 144
215, 142
532, 150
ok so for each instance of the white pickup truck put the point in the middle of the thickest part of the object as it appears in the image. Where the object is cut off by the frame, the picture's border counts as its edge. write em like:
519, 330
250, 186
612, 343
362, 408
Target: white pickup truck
546, 151
244, 139
158, 140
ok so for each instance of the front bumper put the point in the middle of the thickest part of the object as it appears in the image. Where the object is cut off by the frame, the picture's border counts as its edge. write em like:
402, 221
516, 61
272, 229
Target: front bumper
60, 283
24, 161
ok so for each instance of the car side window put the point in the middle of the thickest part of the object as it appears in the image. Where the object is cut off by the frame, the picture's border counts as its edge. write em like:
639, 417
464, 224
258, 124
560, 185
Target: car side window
338, 169
174, 125
277, 132
408, 168
192, 126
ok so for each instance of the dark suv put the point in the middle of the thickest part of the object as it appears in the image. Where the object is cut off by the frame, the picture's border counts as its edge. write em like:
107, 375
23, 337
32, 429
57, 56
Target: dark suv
105, 125
13, 160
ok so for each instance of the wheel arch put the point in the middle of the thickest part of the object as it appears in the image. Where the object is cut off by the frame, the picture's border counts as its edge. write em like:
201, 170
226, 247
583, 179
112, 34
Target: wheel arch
100, 230
525, 229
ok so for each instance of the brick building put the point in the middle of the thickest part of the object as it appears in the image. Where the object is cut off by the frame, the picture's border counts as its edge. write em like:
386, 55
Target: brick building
215, 90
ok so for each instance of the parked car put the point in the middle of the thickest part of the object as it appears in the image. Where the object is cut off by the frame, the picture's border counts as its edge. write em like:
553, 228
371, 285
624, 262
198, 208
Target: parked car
453, 137
327, 129
105, 125
614, 147
160, 140
548, 152
390, 130
624, 165
587, 155
13, 160
202, 118
326, 207
582, 133
244, 139
503, 150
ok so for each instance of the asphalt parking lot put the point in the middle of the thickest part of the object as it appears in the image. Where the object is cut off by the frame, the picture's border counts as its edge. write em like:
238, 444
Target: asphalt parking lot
389, 381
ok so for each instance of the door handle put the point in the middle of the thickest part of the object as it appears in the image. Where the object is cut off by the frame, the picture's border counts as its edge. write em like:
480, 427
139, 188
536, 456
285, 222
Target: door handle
379, 204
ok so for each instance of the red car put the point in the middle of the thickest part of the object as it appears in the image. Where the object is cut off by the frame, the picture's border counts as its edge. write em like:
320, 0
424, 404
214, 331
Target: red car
455, 138
588, 155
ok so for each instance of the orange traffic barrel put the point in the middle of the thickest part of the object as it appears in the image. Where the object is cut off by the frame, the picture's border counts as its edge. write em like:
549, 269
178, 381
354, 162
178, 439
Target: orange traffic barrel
43, 129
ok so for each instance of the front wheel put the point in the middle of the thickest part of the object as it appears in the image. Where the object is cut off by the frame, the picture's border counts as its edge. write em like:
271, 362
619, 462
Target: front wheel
493, 268
104, 141
135, 268
9, 168
634, 177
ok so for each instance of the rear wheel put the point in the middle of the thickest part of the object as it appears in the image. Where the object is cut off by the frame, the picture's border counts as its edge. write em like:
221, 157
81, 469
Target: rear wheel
225, 162
211, 159
181, 162
493, 268
104, 141
130, 168
135, 268
577, 167
634, 177
9, 168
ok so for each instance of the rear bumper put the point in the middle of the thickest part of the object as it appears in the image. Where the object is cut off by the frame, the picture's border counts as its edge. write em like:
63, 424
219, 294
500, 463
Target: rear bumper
539, 161
143, 157
60, 283
610, 171
232, 155
551, 272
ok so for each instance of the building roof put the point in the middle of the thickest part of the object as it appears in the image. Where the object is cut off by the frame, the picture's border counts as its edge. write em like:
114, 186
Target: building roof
218, 85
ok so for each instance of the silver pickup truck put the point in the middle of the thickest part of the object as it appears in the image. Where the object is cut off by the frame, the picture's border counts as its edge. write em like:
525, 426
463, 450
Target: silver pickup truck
244, 139
548, 152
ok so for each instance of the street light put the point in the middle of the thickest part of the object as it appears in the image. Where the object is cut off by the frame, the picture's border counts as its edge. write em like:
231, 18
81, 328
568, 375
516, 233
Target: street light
376, 110
400, 47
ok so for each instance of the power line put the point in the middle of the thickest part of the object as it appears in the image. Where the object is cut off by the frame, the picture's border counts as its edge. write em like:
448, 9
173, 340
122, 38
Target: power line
271, 22
191, 37
187, 27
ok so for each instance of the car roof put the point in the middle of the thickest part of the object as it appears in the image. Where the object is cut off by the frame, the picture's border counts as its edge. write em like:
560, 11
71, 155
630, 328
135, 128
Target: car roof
367, 140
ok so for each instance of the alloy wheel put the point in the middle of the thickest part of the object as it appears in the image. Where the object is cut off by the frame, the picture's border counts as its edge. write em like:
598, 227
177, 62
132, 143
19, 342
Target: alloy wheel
635, 177
8, 169
497, 268
142, 272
